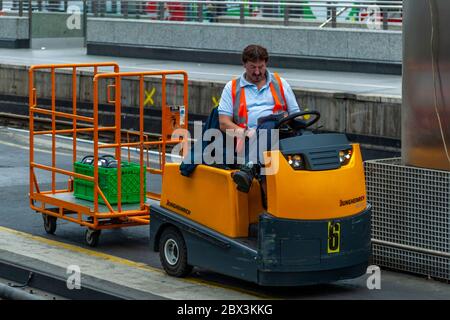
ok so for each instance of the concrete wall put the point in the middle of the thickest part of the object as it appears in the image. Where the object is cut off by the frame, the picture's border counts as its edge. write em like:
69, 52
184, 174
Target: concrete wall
284, 43
13, 32
377, 116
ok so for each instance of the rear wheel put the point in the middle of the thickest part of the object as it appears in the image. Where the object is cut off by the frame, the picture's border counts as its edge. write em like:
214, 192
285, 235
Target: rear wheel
173, 253
49, 223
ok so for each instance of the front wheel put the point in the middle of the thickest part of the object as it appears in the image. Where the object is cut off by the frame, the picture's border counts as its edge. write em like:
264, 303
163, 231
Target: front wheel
49, 223
173, 253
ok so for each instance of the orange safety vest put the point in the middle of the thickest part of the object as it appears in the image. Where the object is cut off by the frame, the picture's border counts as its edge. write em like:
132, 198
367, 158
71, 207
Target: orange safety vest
240, 115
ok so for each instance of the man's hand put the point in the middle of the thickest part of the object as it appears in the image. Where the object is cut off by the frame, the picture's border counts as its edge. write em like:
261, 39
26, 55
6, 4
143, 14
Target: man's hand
240, 143
228, 126
250, 133
240, 132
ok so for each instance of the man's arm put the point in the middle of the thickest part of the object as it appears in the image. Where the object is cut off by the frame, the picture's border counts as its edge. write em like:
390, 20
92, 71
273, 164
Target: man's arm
226, 113
226, 123
229, 127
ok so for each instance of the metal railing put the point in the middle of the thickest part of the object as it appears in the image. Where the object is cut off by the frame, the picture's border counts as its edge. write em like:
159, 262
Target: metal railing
385, 14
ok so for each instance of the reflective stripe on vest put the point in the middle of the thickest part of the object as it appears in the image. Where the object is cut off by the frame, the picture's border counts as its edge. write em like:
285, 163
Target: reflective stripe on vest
240, 116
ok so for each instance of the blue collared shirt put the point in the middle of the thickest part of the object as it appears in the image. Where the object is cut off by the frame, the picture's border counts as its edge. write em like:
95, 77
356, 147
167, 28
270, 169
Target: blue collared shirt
260, 102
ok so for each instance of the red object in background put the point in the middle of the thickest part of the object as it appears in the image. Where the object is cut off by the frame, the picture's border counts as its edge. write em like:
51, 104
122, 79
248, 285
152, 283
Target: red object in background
174, 11
396, 20
150, 7
364, 15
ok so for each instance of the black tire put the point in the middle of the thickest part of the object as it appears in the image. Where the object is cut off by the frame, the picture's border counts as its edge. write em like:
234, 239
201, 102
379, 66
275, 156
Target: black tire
108, 156
92, 237
173, 253
49, 223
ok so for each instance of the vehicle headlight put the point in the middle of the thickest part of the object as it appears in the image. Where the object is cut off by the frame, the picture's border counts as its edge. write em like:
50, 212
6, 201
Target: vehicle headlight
296, 161
345, 156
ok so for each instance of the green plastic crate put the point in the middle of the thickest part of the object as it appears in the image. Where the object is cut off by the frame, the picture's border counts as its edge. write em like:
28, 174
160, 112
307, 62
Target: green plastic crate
107, 178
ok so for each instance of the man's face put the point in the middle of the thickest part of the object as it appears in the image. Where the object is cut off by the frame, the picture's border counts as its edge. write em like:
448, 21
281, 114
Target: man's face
256, 70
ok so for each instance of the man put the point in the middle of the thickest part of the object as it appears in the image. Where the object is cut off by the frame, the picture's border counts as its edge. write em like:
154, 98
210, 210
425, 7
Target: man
256, 100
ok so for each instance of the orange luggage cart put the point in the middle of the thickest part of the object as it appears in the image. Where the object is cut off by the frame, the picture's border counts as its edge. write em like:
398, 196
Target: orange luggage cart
56, 204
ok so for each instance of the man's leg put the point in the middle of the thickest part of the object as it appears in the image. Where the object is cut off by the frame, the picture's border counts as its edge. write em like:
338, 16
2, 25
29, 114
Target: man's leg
267, 140
254, 151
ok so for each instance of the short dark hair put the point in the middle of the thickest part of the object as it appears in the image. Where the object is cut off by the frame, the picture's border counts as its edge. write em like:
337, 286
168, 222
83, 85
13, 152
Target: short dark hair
254, 53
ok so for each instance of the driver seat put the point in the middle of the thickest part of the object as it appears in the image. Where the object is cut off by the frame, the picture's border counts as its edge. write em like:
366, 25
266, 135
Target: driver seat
191, 161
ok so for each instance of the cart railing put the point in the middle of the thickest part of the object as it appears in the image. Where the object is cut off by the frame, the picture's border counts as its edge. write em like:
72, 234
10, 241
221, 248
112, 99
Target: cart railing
34, 109
63, 209
162, 144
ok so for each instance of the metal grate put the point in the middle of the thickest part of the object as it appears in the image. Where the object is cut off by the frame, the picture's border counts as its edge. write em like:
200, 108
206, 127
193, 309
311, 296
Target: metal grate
410, 261
366, 14
411, 208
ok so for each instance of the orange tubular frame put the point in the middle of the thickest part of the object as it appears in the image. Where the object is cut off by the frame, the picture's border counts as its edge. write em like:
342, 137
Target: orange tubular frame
90, 216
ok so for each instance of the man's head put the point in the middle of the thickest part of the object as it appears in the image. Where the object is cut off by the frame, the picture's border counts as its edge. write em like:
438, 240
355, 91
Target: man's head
255, 59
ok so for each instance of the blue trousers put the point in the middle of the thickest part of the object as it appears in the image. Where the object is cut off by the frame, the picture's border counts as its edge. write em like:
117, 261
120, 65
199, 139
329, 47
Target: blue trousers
265, 139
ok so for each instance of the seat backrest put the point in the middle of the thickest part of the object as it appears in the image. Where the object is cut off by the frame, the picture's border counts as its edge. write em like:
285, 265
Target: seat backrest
192, 159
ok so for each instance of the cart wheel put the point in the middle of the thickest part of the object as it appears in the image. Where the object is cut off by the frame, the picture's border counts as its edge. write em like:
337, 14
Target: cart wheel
49, 223
173, 253
92, 237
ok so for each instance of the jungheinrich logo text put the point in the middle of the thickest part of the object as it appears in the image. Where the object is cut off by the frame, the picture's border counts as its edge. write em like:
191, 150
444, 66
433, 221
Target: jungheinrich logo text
178, 207
351, 201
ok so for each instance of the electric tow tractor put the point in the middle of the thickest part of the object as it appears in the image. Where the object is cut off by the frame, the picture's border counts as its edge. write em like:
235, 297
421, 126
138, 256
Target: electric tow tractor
316, 227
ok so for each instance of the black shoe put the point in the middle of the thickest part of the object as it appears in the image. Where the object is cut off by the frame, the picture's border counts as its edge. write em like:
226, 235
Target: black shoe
243, 181
244, 177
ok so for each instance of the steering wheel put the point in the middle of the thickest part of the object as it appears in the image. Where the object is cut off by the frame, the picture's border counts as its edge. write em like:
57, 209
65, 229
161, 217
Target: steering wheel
295, 122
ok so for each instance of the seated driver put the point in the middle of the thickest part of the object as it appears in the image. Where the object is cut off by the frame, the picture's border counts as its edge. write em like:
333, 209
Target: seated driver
256, 100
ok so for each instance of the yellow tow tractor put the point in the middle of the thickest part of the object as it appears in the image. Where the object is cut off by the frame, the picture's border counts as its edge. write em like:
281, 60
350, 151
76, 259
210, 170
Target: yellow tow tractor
316, 228
311, 226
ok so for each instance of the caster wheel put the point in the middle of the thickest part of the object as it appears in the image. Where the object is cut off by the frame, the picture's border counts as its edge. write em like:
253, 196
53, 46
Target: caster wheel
49, 223
92, 237
173, 253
